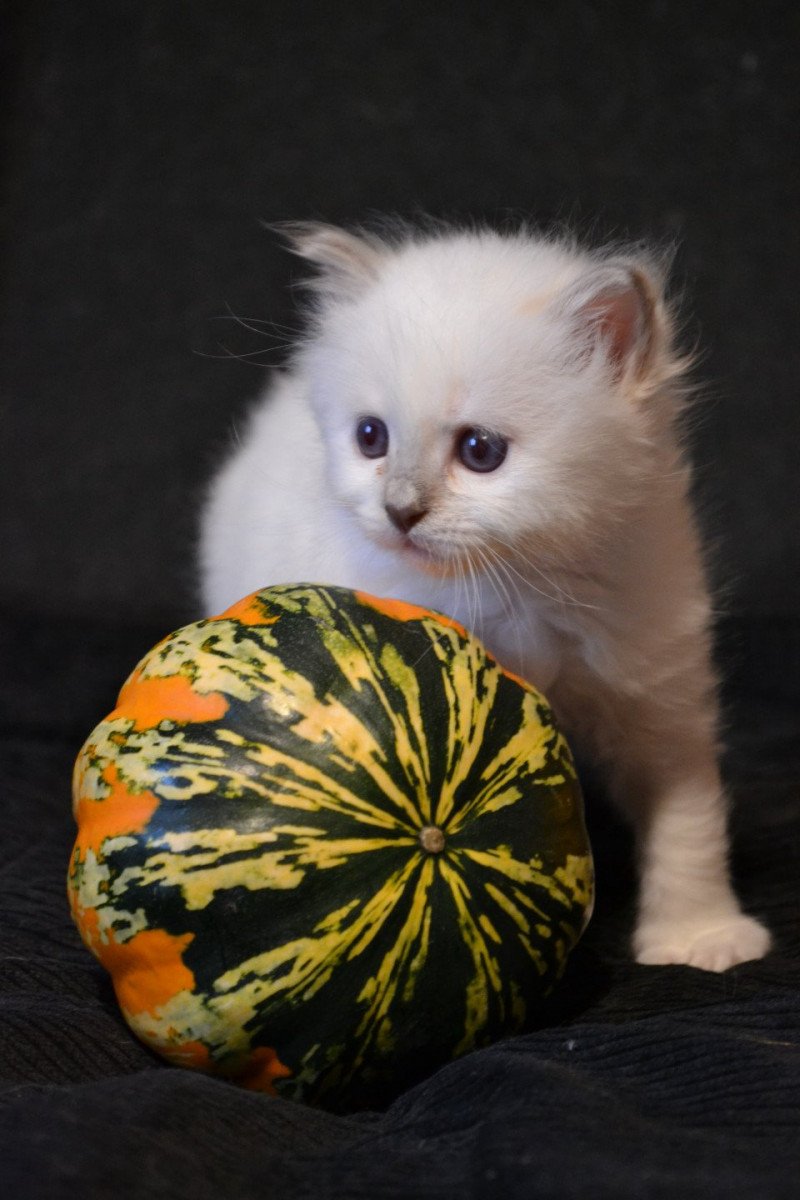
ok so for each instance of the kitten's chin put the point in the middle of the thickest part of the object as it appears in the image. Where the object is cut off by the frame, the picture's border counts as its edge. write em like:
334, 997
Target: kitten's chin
419, 555
426, 560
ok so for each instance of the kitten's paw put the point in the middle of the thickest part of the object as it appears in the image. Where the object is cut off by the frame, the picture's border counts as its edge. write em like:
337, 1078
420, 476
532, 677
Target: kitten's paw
707, 946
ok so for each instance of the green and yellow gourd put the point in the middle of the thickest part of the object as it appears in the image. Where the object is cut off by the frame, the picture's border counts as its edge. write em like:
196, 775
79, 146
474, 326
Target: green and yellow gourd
326, 844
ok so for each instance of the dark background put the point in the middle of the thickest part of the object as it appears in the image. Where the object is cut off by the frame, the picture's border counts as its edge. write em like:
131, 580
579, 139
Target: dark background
143, 145
147, 141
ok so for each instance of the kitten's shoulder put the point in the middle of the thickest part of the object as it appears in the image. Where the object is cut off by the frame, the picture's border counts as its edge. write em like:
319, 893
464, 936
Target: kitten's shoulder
271, 478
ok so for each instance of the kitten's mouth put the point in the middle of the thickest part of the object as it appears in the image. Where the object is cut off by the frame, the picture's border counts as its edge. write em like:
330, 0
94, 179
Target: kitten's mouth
422, 554
427, 557
409, 546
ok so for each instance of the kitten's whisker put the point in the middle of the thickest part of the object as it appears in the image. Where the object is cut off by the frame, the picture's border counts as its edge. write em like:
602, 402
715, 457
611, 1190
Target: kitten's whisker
247, 354
462, 575
252, 323
496, 568
562, 597
488, 559
459, 574
476, 589
461, 579
563, 593
680, 473
235, 433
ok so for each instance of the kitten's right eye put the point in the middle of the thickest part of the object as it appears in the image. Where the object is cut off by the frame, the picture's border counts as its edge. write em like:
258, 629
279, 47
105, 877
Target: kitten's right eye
481, 450
372, 437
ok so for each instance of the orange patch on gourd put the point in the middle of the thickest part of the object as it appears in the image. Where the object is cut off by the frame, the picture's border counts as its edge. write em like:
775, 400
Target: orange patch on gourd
401, 610
120, 812
262, 1069
147, 970
166, 698
249, 611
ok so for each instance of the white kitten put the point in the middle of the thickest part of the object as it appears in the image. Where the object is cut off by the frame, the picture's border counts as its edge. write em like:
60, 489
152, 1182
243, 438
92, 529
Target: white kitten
485, 424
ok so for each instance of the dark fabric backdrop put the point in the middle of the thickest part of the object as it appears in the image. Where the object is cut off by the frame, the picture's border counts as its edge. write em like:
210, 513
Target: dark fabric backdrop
147, 141
144, 143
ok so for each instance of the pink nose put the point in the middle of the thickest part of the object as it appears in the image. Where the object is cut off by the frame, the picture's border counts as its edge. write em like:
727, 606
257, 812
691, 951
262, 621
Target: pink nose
405, 518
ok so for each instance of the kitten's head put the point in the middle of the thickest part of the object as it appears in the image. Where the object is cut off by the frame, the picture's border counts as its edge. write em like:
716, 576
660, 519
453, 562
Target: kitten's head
482, 395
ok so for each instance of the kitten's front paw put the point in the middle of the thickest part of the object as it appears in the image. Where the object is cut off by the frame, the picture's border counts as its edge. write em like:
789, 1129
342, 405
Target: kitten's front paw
708, 946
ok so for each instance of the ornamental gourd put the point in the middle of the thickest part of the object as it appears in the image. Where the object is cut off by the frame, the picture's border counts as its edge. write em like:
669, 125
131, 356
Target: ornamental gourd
326, 844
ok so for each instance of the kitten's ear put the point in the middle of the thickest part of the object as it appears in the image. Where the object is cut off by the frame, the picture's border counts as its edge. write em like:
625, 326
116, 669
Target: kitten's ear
348, 262
618, 308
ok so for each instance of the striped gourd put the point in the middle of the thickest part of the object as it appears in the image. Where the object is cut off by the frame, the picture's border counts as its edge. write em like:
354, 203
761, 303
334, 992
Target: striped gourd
326, 843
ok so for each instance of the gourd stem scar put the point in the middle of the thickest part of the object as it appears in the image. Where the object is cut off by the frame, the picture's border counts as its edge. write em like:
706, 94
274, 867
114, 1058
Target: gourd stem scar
432, 839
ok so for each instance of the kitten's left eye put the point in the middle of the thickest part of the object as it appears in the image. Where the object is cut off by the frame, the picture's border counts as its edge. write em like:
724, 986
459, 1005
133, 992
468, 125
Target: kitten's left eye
372, 437
481, 450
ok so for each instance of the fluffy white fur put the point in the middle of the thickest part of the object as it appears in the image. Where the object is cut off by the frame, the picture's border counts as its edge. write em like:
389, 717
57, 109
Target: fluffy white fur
576, 561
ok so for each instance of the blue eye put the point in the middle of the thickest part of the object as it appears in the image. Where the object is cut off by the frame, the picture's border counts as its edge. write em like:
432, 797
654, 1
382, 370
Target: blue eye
481, 450
372, 437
